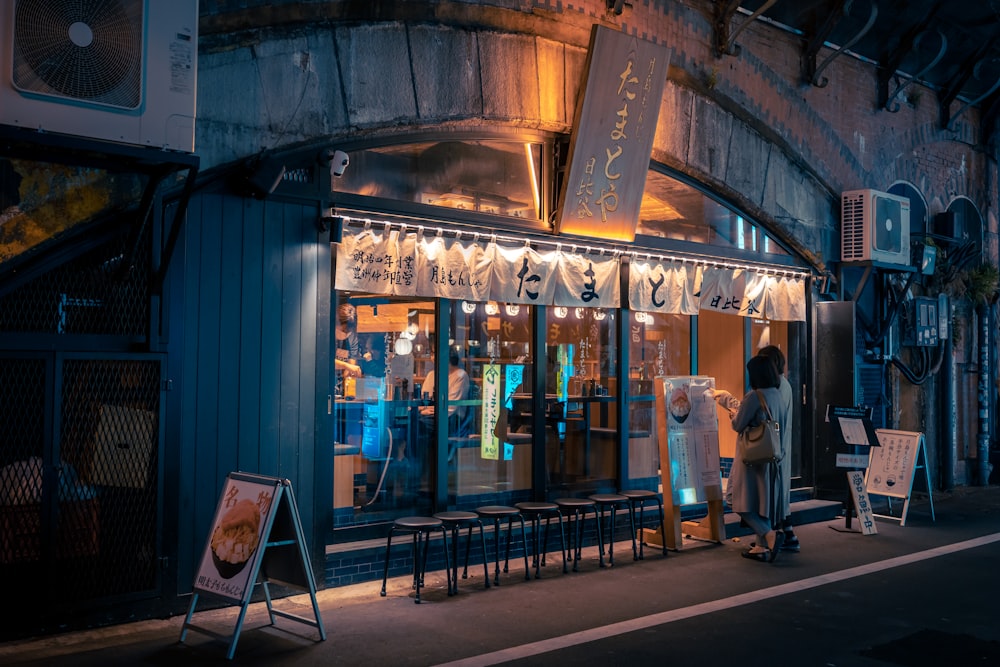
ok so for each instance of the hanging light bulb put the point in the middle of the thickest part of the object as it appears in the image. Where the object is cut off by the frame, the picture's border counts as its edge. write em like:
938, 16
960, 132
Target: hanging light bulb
492, 308
403, 346
468, 308
513, 309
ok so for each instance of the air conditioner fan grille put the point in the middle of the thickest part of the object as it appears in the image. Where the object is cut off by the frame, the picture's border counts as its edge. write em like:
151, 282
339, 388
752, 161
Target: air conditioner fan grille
90, 50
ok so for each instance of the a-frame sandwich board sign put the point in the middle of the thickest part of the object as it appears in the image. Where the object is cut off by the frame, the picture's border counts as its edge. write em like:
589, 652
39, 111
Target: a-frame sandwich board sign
256, 537
893, 467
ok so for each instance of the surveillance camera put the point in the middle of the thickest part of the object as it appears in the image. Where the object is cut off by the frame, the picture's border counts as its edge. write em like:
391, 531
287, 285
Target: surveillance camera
338, 163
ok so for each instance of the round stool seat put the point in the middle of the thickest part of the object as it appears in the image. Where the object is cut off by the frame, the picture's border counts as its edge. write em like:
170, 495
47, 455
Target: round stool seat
496, 511
456, 516
417, 522
608, 498
638, 494
574, 503
533, 506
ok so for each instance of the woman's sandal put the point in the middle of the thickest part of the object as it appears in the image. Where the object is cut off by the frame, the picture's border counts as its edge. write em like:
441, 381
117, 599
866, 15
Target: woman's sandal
779, 539
761, 556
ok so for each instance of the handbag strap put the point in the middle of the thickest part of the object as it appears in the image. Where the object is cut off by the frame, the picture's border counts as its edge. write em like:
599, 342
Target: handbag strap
763, 403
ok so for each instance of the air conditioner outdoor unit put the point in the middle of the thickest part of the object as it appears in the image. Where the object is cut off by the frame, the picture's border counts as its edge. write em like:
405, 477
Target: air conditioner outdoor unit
123, 71
875, 227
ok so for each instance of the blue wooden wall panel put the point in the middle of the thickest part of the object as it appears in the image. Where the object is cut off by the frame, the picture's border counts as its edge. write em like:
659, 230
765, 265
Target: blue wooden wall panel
205, 379
185, 274
271, 340
291, 349
305, 223
252, 322
229, 343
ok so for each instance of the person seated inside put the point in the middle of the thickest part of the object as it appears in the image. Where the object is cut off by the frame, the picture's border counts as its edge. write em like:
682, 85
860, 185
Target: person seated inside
458, 390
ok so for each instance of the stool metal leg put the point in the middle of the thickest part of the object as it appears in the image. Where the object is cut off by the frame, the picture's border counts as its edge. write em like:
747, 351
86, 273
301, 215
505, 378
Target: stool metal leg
486, 560
453, 579
576, 540
418, 565
611, 537
536, 557
524, 549
385, 571
562, 540
452, 583
496, 547
663, 525
631, 524
642, 522
600, 539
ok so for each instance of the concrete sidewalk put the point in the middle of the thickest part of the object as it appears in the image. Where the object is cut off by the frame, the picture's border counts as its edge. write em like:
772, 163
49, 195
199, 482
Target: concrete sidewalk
364, 628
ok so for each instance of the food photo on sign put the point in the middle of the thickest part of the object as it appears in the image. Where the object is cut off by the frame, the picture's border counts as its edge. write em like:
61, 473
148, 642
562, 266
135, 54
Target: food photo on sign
234, 540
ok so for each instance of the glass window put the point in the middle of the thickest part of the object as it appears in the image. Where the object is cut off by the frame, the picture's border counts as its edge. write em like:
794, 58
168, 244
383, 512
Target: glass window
492, 176
580, 389
40, 200
489, 447
674, 210
382, 448
659, 345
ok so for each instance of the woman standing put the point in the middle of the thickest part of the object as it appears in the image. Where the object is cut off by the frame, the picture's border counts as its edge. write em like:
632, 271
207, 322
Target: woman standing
757, 489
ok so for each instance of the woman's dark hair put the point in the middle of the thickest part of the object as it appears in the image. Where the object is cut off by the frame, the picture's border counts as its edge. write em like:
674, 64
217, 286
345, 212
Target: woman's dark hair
777, 357
762, 373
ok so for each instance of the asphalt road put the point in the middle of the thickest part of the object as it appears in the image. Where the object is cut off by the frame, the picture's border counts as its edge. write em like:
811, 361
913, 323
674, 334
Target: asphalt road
924, 594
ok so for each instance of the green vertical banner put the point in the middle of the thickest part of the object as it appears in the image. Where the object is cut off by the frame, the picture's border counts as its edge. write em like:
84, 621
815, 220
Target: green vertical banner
492, 403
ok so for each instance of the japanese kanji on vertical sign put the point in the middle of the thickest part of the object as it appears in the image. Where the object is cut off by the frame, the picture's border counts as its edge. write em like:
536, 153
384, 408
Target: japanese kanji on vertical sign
256, 529
893, 467
688, 434
856, 480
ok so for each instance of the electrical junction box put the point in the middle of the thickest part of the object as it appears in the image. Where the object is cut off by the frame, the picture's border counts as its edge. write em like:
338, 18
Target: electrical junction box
921, 324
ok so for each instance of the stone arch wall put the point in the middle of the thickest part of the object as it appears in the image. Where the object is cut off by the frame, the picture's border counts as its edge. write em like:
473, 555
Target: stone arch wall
744, 125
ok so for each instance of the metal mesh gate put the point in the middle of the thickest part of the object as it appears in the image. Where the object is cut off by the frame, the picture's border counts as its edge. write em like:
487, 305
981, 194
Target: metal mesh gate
80, 436
79, 513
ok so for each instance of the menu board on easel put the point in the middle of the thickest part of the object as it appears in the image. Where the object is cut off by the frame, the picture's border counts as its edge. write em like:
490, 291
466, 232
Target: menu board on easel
688, 435
892, 468
256, 523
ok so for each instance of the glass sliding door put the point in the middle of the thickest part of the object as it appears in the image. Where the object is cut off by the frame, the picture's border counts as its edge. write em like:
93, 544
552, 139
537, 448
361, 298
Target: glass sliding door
659, 345
383, 449
489, 448
581, 414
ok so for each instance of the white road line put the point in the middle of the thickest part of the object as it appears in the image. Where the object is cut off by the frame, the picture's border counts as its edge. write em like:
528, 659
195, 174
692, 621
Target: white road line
614, 629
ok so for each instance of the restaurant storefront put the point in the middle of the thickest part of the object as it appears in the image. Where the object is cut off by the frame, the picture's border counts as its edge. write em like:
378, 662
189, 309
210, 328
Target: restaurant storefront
445, 266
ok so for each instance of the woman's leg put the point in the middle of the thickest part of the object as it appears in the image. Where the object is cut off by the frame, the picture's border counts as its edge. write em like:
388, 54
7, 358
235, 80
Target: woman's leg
759, 525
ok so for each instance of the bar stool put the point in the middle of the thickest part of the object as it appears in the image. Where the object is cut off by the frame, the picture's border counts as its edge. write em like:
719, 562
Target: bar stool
454, 522
612, 501
421, 528
535, 512
496, 514
639, 498
577, 508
